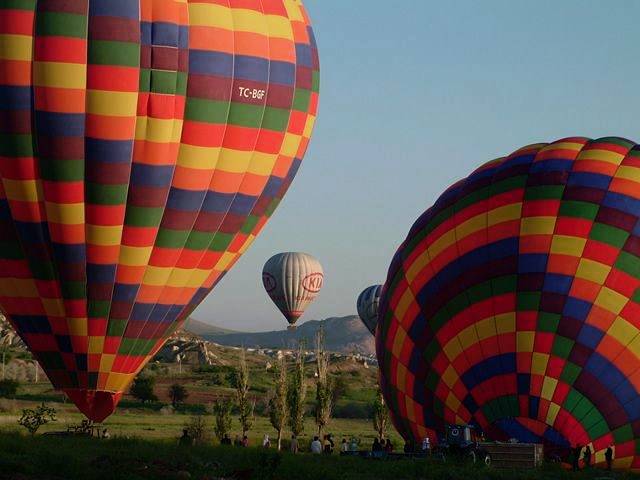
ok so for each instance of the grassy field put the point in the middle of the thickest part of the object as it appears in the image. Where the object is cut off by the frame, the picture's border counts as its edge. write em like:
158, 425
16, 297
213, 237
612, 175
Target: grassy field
144, 437
153, 422
47, 458
140, 424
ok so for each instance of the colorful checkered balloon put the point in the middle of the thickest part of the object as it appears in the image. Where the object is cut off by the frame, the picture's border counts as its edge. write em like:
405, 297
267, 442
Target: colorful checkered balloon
514, 303
143, 146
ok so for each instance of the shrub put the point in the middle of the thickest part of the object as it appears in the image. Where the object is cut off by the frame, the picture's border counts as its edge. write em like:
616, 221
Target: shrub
142, 389
33, 419
197, 429
9, 388
178, 394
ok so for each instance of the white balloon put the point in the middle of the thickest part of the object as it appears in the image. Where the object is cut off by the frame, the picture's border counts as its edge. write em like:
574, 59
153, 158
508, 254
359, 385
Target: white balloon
292, 280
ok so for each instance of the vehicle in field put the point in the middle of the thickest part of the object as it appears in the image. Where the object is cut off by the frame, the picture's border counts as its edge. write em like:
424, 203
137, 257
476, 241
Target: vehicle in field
461, 442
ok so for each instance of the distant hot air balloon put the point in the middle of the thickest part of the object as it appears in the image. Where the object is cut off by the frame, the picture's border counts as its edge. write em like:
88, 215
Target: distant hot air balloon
368, 302
514, 303
292, 280
143, 146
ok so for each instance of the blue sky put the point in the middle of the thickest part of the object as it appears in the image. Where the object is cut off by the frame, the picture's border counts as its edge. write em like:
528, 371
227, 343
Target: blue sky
414, 95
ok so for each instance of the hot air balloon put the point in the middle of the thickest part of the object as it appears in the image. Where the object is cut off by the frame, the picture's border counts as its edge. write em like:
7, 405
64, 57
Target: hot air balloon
513, 303
367, 304
143, 146
292, 280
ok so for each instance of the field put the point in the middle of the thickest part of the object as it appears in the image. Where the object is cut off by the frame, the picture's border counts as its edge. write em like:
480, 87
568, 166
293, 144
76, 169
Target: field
206, 384
144, 436
48, 458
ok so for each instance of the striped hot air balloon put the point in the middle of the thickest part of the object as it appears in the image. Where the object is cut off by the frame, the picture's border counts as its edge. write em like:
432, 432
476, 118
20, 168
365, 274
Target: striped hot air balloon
514, 303
143, 146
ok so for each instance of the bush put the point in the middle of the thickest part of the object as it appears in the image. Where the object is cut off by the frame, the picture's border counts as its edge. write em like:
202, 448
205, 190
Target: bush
33, 419
197, 429
9, 388
178, 394
142, 389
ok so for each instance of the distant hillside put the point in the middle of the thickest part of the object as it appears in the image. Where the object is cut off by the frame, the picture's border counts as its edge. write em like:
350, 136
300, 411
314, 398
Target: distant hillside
204, 329
342, 334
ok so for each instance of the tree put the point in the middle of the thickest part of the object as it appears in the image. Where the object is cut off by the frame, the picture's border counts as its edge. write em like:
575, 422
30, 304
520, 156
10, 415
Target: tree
178, 394
380, 415
33, 419
197, 429
245, 405
278, 410
296, 395
324, 387
142, 389
222, 413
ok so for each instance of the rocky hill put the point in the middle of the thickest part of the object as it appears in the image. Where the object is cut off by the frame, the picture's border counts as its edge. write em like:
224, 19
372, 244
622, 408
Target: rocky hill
200, 328
8, 337
203, 344
342, 334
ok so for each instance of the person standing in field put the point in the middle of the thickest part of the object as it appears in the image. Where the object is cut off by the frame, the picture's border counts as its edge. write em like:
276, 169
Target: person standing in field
608, 456
185, 439
245, 441
328, 444
344, 446
388, 446
266, 443
575, 460
294, 444
426, 445
376, 445
586, 456
316, 446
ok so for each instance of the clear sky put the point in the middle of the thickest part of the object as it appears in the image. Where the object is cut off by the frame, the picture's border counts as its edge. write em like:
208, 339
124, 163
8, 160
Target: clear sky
414, 94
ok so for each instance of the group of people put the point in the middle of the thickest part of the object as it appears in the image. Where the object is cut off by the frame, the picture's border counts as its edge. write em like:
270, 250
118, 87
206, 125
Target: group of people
586, 457
380, 445
326, 446
424, 447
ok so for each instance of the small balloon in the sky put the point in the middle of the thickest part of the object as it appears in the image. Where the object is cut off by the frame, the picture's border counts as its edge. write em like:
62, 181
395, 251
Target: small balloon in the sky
292, 280
368, 302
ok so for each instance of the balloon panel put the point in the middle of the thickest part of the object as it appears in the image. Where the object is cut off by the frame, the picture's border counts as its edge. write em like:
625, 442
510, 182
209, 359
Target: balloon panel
143, 146
513, 303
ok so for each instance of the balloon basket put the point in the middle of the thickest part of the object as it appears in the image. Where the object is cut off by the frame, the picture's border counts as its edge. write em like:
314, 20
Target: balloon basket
291, 328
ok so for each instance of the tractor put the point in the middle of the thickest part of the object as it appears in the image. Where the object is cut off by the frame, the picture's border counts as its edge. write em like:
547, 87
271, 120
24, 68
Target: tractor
461, 442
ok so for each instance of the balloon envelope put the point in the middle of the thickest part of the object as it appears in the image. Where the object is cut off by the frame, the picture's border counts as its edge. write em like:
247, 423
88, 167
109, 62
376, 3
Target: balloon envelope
143, 146
367, 304
513, 303
292, 281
